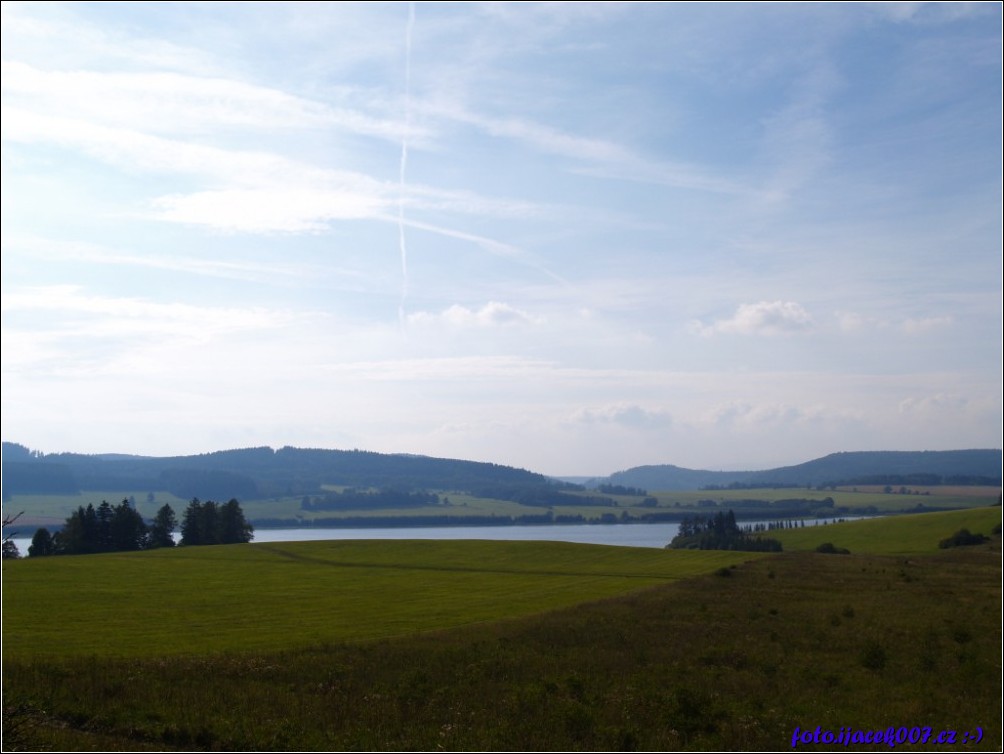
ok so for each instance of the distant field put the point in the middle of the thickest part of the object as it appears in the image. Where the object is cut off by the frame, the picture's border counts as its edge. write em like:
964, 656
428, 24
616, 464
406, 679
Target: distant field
895, 535
940, 490
273, 596
865, 497
52, 510
49, 510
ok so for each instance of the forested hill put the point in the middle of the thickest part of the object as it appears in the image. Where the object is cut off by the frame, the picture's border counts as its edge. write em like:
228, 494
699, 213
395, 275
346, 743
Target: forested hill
864, 467
250, 472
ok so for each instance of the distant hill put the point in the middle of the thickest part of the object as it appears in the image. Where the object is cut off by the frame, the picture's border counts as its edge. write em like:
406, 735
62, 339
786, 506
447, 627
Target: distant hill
929, 467
253, 473
250, 473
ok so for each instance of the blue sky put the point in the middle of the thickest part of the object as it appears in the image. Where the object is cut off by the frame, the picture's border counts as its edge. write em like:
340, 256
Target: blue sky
573, 238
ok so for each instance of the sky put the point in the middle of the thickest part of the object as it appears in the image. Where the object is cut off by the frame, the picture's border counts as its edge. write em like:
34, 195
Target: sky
569, 237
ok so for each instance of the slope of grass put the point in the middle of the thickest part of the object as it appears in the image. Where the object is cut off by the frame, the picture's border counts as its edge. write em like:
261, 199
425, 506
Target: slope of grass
272, 596
907, 534
712, 662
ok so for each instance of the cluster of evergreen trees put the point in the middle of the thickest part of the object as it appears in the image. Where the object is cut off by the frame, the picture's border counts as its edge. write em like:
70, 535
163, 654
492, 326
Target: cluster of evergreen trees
619, 489
108, 528
211, 524
720, 532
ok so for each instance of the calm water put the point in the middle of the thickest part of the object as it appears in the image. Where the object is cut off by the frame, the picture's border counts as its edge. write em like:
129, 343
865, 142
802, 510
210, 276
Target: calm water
625, 535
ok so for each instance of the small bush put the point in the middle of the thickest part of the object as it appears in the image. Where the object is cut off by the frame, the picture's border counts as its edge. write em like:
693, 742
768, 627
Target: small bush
963, 538
830, 549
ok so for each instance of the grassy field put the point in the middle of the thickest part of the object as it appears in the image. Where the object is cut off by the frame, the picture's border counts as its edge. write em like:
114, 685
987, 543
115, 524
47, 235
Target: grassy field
896, 535
864, 497
479, 645
52, 510
274, 596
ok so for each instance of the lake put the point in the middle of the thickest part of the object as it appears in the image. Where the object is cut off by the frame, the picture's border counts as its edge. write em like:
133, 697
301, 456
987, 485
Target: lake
624, 535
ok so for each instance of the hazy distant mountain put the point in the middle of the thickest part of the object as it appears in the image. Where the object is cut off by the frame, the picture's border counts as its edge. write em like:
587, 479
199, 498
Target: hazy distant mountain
864, 467
250, 473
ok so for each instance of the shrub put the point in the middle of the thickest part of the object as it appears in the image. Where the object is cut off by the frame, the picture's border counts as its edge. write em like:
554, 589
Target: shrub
830, 549
963, 538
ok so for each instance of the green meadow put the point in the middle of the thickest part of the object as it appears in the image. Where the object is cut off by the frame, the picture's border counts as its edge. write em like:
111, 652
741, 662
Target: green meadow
276, 596
52, 510
481, 645
894, 535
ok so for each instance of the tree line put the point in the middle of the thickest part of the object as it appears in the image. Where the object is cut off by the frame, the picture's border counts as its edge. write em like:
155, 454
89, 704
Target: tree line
353, 499
120, 528
720, 532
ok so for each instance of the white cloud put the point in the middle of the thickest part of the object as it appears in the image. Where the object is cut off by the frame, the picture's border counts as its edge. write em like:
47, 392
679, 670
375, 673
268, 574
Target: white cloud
492, 314
625, 415
762, 318
923, 325
266, 210
70, 326
854, 322
938, 403
768, 416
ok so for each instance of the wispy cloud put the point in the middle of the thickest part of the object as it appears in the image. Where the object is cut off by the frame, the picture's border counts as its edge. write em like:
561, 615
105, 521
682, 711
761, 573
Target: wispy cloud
168, 102
809, 190
232, 269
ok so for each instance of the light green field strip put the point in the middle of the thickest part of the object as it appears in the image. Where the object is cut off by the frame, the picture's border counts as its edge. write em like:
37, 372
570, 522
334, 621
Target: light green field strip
283, 595
893, 535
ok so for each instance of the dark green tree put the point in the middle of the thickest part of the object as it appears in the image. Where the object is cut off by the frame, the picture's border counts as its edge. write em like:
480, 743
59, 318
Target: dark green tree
80, 533
103, 539
233, 527
127, 529
191, 524
211, 524
163, 526
41, 544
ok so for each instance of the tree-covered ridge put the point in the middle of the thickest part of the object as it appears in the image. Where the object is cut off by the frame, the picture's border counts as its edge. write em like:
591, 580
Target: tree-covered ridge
120, 528
957, 467
261, 472
720, 532
252, 473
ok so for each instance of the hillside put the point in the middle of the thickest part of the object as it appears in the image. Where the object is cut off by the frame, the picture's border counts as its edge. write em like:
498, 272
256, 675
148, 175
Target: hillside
250, 473
865, 467
256, 473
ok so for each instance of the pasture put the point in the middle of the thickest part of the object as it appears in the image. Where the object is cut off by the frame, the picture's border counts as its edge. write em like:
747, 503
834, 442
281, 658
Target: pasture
194, 600
479, 645
52, 510
893, 535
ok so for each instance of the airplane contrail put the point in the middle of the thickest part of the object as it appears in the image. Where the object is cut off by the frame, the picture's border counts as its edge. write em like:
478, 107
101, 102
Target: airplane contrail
404, 164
